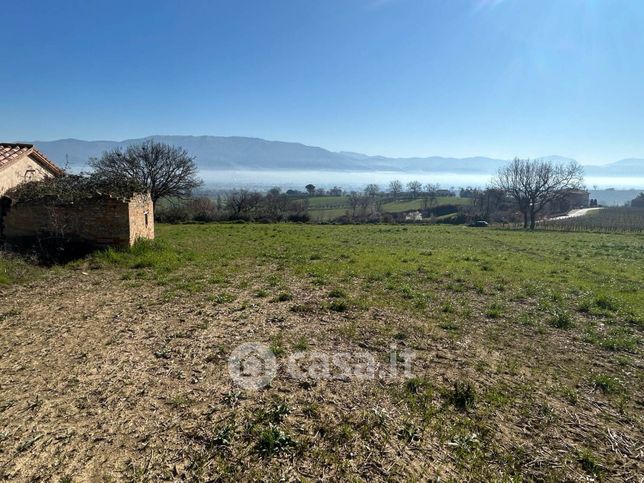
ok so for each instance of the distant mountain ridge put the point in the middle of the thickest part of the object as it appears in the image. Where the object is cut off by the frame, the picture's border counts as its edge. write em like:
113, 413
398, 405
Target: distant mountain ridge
244, 153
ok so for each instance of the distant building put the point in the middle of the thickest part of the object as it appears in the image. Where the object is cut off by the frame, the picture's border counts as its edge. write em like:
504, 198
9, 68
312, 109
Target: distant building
23, 162
571, 200
445, 193
578, 198
414, 216
638, 202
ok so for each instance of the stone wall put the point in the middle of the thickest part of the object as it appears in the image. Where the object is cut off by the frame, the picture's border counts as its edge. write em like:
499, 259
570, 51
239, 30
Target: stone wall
98, 221
141, 215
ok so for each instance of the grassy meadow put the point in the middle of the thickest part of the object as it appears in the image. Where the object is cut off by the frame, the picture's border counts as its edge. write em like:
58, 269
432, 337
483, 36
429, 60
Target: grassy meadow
328, 208
526, 348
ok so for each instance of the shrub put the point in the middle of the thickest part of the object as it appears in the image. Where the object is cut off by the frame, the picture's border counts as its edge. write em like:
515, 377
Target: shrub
337, 293
561, 319
283, 297
275, 413
172, 214
273, 440
202, 209
339, 306
299, 218
463, 395
604, 302
494, 311
606, 384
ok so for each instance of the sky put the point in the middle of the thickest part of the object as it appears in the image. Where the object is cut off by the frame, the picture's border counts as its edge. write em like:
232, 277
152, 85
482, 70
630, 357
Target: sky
498, 78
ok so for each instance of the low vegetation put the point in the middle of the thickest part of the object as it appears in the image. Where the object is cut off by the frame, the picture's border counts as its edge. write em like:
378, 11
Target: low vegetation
526, 359
607, 220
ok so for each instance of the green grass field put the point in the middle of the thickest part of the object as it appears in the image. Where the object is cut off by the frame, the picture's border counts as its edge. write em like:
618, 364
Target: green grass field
569, 265
328, 208
526, 355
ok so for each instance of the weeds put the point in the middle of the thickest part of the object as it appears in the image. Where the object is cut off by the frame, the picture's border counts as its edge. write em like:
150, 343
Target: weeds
494, 311
339, 306
606, 384
229, 274
273, 440
301, 344
463, 395
283, 297
274, 413
277, 346
589, 462
409, 432
561, 319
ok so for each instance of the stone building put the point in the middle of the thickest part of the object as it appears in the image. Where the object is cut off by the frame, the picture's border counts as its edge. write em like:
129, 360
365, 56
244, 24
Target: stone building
571, 199
23, 162
38, 202
100, 221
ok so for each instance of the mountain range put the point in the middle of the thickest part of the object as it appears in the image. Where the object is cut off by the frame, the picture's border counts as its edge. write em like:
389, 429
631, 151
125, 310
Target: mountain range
243, 153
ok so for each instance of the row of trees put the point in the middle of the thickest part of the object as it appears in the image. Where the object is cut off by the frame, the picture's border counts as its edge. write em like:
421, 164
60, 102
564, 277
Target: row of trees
169, 171
246, 205
395, 189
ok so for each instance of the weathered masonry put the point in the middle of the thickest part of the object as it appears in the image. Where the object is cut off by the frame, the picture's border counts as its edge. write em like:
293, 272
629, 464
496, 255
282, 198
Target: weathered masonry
38, 201
100, 220
21, 163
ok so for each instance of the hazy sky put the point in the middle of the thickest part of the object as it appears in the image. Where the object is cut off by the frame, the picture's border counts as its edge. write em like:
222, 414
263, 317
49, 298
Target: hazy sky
496, 78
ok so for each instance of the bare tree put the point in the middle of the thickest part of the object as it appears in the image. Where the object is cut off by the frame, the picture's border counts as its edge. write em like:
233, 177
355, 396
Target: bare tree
163, 169
395, 188
431, 191
372, 190
490, 202
533, 184
415, 187
242, 203
364, 202
202, 209
354, 202
276, 204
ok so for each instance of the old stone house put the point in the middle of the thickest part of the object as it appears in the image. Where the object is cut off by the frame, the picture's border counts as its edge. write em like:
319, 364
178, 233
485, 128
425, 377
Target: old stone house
100, 220
37, 202
23, 162
20, 163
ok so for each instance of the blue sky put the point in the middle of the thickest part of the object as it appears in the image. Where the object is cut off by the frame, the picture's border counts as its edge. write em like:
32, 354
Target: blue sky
496, 78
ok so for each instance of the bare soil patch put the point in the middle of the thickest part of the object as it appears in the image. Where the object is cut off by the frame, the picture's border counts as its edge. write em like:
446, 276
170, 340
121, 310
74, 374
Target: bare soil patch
103, 379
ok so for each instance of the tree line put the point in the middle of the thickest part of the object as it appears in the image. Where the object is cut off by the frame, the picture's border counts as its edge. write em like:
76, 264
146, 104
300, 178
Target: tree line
169, 172
246, 205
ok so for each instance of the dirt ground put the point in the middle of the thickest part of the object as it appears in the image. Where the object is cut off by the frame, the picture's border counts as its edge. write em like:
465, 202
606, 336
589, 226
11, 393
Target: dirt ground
104, 380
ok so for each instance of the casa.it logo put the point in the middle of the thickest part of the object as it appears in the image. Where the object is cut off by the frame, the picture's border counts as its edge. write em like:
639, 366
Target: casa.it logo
252, 365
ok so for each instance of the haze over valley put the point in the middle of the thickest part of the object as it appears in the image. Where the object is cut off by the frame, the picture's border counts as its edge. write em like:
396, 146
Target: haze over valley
229, 162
